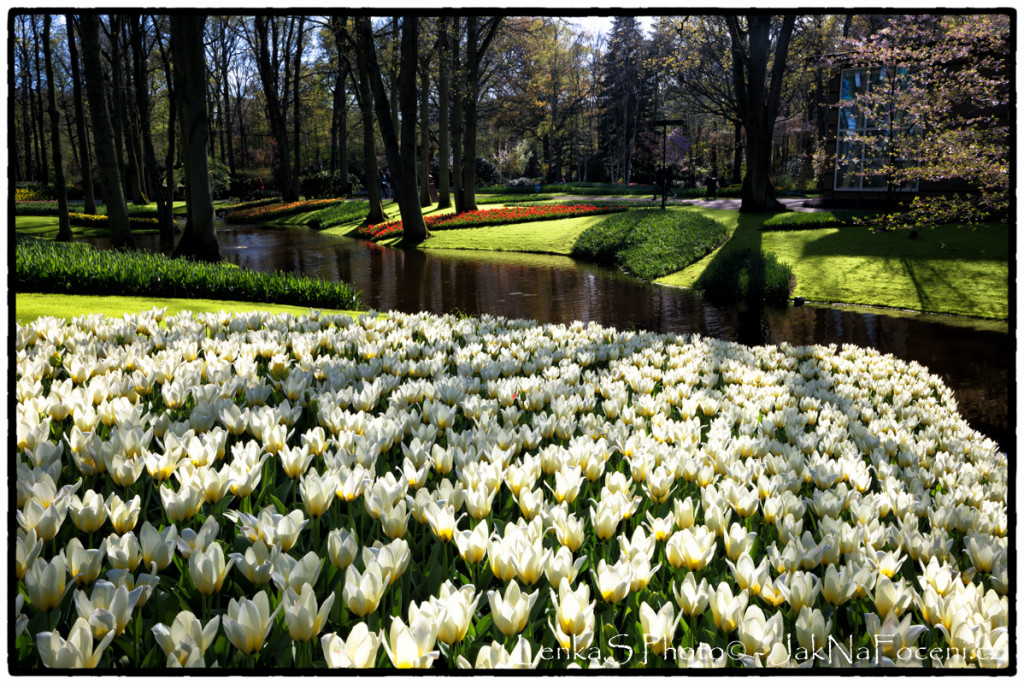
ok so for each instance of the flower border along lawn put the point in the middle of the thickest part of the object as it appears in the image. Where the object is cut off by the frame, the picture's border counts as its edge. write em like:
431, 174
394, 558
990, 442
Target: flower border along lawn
29, 306
958, 270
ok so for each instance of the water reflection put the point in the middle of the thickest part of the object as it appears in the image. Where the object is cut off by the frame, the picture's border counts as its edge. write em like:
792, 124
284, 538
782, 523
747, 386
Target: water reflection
974, 362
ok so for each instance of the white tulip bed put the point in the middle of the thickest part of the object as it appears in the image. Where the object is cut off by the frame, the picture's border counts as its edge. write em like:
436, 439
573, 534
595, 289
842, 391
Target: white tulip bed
404, 491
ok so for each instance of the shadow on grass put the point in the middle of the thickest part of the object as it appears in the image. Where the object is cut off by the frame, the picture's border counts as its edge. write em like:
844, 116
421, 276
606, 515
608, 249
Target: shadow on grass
988, 243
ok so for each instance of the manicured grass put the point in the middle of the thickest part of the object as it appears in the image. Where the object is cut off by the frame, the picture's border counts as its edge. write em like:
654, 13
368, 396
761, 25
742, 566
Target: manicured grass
47, 226
809, 220
545, 237
29, 306
949, 269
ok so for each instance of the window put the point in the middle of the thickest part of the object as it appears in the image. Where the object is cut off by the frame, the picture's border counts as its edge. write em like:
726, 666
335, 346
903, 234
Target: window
862, 142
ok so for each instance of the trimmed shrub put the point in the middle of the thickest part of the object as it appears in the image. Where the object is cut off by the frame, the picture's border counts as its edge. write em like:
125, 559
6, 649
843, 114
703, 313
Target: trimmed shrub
650, 243
747, 275
102, 221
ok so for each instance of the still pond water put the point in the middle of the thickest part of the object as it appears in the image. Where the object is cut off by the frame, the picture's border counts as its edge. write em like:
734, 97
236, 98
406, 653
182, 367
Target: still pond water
974, 359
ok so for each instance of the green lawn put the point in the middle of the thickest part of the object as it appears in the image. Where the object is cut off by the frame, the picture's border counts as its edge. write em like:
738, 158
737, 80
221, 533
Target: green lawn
545, 237
46, 227
949, 269
29, 306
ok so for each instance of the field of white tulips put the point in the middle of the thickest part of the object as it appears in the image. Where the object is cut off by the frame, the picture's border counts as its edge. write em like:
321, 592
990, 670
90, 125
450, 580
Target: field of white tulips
421, 491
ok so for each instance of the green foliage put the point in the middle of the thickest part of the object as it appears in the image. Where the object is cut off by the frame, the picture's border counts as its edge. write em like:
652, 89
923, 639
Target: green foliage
748, 275
650, 243
50, 208
326, 184
486, 171
803, 220
220, 178
44, 266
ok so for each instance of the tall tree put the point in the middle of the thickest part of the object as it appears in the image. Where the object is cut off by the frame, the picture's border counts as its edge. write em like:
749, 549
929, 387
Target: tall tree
443, 97
140, 77
401, 154
296, 102
199, 240
272, 50
41, 155
365, 95
85, 157
424, 156
476, 48
339, 113
64, 229
106, 156
757, 98
165, 213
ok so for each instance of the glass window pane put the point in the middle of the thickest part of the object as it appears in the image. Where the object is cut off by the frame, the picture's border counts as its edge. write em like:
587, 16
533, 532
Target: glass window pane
848, 165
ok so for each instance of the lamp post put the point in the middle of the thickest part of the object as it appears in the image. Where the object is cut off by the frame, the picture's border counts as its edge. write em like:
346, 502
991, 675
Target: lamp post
665, 123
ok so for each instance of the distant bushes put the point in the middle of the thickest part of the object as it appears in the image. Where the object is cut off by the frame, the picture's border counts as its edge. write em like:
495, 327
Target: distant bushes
746, 275
650, 243
323, 184
811, 220
45, 266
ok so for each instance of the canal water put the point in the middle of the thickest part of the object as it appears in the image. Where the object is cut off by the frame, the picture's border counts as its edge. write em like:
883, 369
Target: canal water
974, 358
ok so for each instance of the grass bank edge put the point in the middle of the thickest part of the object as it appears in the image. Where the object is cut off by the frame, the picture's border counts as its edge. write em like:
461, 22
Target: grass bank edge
28, 306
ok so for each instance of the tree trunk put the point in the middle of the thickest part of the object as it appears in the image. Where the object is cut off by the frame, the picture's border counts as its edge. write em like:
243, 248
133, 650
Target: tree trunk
116, 110
737, 154
64, 229
296, 101
152, 172
106, 157
458, 94
275, 114
401, 154
757, 99
424, 168
200, 238
165, 212
443, 94
376, 214
44, 167
27, 125
83, 136
469, 143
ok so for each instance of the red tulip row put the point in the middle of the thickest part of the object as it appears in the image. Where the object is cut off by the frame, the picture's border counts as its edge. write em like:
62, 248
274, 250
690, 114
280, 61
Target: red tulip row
257, 214
489, 217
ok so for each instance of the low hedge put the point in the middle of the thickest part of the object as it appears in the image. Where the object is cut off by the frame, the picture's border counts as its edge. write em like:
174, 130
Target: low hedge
46, 266
748, 275
650, 243
811, 220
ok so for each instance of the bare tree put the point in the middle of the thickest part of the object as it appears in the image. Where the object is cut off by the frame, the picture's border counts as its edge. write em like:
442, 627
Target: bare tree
401, 154
106, 156
64, 229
